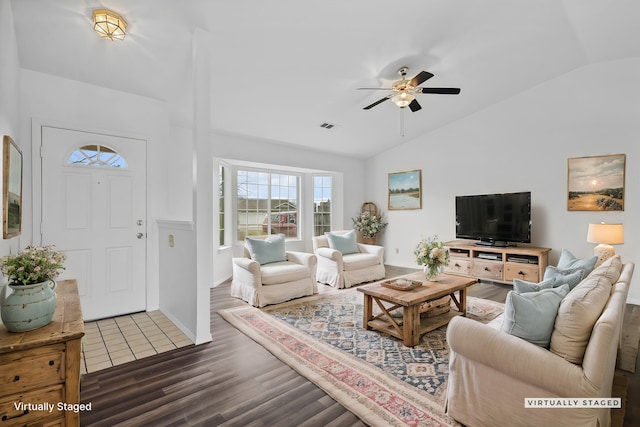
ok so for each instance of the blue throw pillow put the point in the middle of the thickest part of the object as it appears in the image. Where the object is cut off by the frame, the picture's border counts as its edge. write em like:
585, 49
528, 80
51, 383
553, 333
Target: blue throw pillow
265, 251
345, 243
570, 276
531, 316
522, 286
568, 260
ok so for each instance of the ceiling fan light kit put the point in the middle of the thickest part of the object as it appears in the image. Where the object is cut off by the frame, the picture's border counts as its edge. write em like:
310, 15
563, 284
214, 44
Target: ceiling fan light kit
403, 90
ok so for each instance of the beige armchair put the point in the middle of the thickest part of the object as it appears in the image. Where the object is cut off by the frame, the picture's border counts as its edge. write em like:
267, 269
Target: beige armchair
284, 277
345, 270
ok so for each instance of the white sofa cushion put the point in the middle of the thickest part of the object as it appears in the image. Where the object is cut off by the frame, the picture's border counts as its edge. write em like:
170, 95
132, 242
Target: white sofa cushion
282, 272
580, 309
359, 260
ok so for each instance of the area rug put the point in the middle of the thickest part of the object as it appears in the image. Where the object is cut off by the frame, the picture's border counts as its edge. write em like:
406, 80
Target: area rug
373, 375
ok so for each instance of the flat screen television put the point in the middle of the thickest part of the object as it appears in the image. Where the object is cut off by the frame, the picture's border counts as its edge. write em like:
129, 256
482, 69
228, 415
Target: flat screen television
494, 219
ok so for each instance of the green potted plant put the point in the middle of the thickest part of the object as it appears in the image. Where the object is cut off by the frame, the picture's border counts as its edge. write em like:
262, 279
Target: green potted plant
31, 277
370, 225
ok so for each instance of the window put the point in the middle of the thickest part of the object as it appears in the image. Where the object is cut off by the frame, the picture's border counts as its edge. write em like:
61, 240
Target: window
267, 203
321, 205
221, 204
97, 155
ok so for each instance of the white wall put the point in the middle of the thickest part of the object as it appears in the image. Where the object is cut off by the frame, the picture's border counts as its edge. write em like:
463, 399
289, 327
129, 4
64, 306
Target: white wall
247, 149
523, 144
9, 101
46, 99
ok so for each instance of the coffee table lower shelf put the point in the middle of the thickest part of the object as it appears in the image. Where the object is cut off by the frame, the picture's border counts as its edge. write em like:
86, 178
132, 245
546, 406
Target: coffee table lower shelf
427, 324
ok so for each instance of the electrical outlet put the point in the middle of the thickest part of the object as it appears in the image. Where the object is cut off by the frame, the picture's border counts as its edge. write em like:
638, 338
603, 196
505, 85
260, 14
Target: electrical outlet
397, 251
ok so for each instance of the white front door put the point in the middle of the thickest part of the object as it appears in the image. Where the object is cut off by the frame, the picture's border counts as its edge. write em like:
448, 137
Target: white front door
94, 209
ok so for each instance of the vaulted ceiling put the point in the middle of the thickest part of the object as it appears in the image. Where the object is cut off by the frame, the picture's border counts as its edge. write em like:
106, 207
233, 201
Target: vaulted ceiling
281, 68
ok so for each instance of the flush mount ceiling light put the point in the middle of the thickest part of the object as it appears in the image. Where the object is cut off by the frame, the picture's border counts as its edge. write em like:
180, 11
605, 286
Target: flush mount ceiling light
108, 24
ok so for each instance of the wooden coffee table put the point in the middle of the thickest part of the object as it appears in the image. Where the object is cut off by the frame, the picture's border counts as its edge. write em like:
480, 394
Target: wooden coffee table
412, 326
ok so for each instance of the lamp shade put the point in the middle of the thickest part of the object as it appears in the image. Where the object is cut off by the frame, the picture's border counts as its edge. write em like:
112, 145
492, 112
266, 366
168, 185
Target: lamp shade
608, 234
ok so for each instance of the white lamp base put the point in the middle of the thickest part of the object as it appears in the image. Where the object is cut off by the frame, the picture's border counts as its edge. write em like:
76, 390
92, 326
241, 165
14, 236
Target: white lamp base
603, 252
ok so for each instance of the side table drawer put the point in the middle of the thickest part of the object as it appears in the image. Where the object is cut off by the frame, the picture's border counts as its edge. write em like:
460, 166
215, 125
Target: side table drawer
528, 272
36, 367
487, 269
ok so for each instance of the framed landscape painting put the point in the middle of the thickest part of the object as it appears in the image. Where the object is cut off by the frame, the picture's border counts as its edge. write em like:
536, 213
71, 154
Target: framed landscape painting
596, 183
405, 190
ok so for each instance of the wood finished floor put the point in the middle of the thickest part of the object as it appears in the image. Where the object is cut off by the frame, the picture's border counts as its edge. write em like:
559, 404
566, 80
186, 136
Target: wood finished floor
233, 381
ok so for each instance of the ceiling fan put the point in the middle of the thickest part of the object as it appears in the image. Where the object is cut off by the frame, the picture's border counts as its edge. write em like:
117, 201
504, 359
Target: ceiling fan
403, 90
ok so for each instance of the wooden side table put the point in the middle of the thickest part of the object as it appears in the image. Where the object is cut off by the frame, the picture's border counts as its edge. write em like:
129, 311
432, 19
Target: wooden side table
41, 368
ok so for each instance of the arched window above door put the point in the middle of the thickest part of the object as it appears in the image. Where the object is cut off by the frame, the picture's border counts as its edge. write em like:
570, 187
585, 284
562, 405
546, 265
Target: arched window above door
97, 155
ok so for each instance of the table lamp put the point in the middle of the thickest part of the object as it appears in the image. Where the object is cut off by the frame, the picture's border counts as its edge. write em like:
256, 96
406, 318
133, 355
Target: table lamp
605, 235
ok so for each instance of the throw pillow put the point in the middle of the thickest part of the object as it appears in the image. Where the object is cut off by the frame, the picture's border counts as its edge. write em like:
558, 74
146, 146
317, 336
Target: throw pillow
568, 260
531, 315
522, 286
580, 310
265, 251
570, 276
345, 243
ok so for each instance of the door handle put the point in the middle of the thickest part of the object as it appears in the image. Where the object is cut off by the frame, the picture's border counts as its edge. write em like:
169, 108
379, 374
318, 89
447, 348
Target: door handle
140, 235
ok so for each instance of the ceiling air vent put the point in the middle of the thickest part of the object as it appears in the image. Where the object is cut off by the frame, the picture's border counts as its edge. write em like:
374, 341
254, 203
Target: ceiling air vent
327, 125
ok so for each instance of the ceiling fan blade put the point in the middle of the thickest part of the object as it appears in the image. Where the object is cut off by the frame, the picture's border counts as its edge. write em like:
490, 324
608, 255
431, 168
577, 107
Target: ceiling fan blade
420, 78
414, 106
440, 90
377, 102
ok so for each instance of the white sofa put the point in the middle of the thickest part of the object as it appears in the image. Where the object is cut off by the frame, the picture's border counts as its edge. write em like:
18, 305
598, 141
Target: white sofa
344, 271
491, 372
273, 282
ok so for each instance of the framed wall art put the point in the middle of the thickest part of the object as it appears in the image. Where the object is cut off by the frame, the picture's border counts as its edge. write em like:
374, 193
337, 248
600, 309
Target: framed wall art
11, 188
596, 183
405, 190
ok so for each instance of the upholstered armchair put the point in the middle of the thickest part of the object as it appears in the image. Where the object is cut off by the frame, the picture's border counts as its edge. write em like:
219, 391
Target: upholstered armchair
268, 274
342, 262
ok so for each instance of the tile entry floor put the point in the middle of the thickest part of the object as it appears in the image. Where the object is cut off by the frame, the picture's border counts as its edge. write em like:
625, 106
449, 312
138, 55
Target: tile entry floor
122, 339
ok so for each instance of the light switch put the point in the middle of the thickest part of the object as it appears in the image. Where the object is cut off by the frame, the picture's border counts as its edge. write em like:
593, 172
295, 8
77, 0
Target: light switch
171, 240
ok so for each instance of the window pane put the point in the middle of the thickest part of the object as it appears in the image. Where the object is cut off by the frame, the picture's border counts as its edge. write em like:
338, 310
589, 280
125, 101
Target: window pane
269, 202
321, 205
97, 155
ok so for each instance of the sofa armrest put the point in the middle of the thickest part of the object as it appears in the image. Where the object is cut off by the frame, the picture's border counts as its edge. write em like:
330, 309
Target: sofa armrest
248, 264
371, 249
332, 254
303, 258
517, 358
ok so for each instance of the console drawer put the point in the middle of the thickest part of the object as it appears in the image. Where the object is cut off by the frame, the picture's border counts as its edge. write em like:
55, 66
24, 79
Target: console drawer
487, 269
458, 266
528, 272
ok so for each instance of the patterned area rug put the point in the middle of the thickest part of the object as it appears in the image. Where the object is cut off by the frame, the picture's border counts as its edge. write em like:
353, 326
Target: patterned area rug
372, 374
